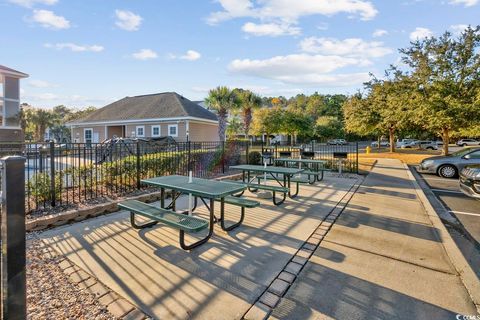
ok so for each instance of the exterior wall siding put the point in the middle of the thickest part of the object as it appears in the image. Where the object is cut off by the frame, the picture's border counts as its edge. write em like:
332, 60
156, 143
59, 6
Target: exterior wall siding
198, 131
203, 131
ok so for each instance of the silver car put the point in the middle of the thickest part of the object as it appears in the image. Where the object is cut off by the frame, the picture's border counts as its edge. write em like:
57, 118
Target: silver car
450, 166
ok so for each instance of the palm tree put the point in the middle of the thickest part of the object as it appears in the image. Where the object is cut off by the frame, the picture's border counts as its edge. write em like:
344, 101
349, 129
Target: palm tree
249, 101
42, 119
222, 100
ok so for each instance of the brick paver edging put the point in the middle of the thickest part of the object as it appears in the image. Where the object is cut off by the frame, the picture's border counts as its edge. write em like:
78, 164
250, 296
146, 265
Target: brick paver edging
118, 306
264, 305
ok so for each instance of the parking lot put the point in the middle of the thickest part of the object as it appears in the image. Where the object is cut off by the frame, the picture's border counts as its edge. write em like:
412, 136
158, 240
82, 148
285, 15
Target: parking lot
466, 209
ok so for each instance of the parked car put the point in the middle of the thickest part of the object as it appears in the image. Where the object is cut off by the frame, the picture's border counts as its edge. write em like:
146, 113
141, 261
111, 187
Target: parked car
337, 142
404, 142
421, 144
450, 166
383, 144
467, 142
470, 181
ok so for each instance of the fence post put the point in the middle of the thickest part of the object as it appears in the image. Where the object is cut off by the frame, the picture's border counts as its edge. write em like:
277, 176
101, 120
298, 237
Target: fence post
138, 164
52, 174
189, 166
357, 158
13, 283
223, 156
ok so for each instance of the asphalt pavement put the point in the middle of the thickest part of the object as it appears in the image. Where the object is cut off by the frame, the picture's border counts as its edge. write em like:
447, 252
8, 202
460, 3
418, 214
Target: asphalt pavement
465, 209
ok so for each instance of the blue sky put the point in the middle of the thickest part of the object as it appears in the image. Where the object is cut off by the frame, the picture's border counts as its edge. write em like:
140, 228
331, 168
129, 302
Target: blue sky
92, 52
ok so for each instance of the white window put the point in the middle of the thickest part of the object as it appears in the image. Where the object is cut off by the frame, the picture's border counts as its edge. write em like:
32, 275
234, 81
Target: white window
88, 135
155, 131
173, 130
140, 131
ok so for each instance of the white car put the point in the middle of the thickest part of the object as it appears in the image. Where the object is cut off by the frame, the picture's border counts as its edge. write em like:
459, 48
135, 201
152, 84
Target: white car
383, 144
338, 142
467, 142
405, 142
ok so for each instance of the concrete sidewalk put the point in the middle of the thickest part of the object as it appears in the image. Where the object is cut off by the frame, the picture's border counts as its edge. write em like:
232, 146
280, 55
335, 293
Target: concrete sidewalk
382, 259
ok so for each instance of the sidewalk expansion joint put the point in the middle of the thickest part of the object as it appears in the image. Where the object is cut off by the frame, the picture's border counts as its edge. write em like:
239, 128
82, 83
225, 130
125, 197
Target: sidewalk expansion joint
280, 285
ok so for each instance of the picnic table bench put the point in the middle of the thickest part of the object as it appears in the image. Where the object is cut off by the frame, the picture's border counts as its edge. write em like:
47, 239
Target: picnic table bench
208, 191
315, 167
273, 172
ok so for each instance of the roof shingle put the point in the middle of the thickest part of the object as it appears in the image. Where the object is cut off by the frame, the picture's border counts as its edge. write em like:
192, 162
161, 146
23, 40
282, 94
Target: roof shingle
150, 106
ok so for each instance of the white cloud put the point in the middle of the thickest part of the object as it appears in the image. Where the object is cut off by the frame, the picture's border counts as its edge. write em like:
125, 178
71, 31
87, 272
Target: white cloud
328, 80
31, 3
75, 47
191, 55
128, 20
291, 11
145, 54
50, 20
295, 68
270, 29
457, 29
466, 3
420, 33
379, 33
353, 47
41, 84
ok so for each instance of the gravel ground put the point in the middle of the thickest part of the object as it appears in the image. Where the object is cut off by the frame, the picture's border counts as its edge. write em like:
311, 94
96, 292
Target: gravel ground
50, 294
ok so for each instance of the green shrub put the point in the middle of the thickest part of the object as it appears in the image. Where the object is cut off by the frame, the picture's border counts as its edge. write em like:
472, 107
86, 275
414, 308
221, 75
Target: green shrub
40, 189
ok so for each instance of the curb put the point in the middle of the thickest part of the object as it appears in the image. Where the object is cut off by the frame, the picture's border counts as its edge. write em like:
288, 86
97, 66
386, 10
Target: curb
467, 275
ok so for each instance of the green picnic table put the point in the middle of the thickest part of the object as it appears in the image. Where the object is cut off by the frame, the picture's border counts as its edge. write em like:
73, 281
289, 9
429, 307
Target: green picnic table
208, 191
315, 167
273, 171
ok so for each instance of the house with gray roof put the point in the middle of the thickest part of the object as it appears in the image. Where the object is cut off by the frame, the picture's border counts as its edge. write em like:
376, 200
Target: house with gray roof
152, 115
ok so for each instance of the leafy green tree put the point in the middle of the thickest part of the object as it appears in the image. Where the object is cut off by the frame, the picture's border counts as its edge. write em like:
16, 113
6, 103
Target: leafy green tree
295, 124
43, 119
361, 117
329, 127
222, 100
267, 121
445, 72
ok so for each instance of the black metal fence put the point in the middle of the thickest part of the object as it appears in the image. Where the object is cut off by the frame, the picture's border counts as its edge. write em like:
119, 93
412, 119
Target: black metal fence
64, 174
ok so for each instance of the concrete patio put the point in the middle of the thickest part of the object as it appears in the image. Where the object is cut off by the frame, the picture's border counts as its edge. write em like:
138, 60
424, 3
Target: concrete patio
381, 258
219, 280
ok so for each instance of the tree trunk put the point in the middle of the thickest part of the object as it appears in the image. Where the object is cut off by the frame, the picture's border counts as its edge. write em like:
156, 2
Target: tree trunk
446, 141
247, 120
379, 140
391, 133
222, 124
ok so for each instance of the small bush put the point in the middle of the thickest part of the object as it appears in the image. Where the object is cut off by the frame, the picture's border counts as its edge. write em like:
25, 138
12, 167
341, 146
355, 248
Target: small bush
254, 157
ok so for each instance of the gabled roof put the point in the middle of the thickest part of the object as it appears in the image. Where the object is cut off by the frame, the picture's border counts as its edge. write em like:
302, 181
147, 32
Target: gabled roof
12, 72
151, 106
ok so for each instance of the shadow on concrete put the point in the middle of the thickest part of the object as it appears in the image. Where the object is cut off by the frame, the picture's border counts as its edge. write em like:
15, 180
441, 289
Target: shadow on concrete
323, 292
404, 195
353, 219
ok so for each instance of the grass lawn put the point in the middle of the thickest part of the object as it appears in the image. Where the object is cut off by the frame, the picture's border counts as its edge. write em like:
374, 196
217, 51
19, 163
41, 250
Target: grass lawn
409, 156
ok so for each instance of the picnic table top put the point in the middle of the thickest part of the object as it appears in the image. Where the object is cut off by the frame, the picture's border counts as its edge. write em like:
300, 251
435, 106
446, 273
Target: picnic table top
200, 187
300, 160
270, 169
